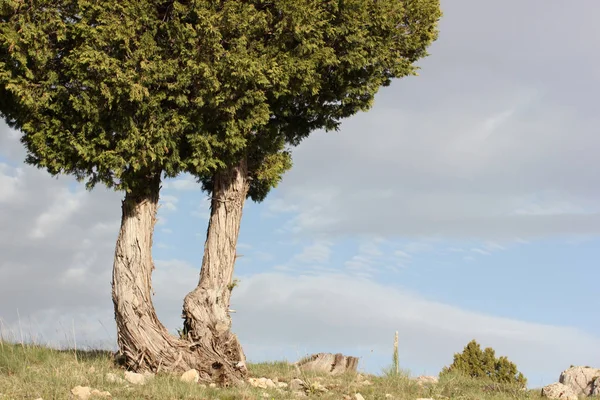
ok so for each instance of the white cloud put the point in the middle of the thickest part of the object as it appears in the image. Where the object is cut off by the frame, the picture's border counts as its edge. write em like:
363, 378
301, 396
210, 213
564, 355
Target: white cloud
65, 205
185, 182
316, 253
168, 202
476, 143
283, 310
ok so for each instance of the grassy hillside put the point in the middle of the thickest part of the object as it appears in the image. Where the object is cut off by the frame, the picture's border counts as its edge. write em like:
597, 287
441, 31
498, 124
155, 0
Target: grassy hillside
33, 372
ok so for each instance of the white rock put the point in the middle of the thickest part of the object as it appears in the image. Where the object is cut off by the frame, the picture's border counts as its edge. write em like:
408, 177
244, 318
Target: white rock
265, 395
135, 378
212, 385
358, 396
190, 376
296, 384
426, 380
282, 385
388, 396
114, 378
85, 392
580, 380
558, 391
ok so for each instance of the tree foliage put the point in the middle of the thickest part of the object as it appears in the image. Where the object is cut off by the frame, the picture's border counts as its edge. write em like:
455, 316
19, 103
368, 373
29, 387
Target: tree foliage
476, 363
114, 92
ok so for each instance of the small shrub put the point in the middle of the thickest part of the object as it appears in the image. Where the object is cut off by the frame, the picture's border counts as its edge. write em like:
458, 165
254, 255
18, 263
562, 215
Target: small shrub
475, 363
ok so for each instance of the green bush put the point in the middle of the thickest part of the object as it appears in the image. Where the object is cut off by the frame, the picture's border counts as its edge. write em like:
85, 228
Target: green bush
476, 363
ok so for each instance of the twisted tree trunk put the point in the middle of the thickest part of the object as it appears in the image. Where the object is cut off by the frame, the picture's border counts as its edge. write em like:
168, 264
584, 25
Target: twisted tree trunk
144, 343
206, 309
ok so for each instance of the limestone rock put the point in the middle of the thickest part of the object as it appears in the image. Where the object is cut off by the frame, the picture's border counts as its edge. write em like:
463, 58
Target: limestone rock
262, 383
596, 387
296, 384
426, 380
138, 379
190, 376
388, 396
558, 391
581, 380
334, 364
212, 385
358, 396
114, 378
86, 392
282, 385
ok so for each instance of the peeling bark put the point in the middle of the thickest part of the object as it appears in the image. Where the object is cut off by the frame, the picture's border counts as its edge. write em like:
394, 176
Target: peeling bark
144, 343
206, 309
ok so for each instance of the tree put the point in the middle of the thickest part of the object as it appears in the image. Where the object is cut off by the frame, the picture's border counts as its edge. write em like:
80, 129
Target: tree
125, 93
480, 364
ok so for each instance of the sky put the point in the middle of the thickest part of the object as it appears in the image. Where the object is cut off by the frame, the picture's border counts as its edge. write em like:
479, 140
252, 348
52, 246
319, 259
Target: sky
464, 205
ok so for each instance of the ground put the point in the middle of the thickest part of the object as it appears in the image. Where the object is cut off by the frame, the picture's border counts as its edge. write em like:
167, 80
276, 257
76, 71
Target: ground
33, 372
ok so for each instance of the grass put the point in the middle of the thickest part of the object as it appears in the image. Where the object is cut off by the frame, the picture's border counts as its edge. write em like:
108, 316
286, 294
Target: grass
31, 371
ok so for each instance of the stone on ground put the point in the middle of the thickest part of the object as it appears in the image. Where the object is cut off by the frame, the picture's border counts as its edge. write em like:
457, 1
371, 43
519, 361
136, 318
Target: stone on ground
190, 376
558, 391
582, 380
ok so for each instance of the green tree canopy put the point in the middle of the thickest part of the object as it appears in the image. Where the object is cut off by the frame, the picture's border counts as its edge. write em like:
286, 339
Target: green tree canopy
483, 364
115, 91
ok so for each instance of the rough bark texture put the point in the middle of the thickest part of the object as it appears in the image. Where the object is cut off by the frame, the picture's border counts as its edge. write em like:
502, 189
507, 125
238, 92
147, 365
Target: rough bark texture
144, 343
334, 364
206, 309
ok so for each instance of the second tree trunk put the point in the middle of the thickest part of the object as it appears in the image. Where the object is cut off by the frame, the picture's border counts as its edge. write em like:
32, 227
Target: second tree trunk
206, 309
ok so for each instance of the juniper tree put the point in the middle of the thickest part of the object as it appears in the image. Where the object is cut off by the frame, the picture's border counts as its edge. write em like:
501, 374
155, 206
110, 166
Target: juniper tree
483, 364
125, 93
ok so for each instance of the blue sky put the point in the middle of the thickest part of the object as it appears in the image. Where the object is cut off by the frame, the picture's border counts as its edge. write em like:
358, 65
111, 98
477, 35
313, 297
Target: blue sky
463, 205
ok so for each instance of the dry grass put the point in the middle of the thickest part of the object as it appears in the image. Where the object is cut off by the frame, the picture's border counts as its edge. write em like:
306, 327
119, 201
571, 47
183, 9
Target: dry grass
31, 371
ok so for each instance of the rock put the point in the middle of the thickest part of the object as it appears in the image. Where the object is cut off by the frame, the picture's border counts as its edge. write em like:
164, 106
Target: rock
388, 396
262, 383
558, 391
366, 383
113, 378
282, 385
333, 364
296, 384
358, 396
212, 385
300, 394
135, 378
86, 392
265, 395
190, 376
426, 380
596, 387
317, 387
580, 380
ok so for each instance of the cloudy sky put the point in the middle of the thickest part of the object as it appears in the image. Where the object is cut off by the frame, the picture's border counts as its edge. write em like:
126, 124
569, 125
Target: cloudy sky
464, 205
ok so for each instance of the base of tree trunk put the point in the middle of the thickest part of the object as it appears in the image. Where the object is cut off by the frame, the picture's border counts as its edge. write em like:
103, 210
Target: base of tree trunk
334, 364
144, 343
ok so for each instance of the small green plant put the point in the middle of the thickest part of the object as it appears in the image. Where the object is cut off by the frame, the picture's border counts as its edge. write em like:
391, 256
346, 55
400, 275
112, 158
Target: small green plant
475, 363
233, 284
